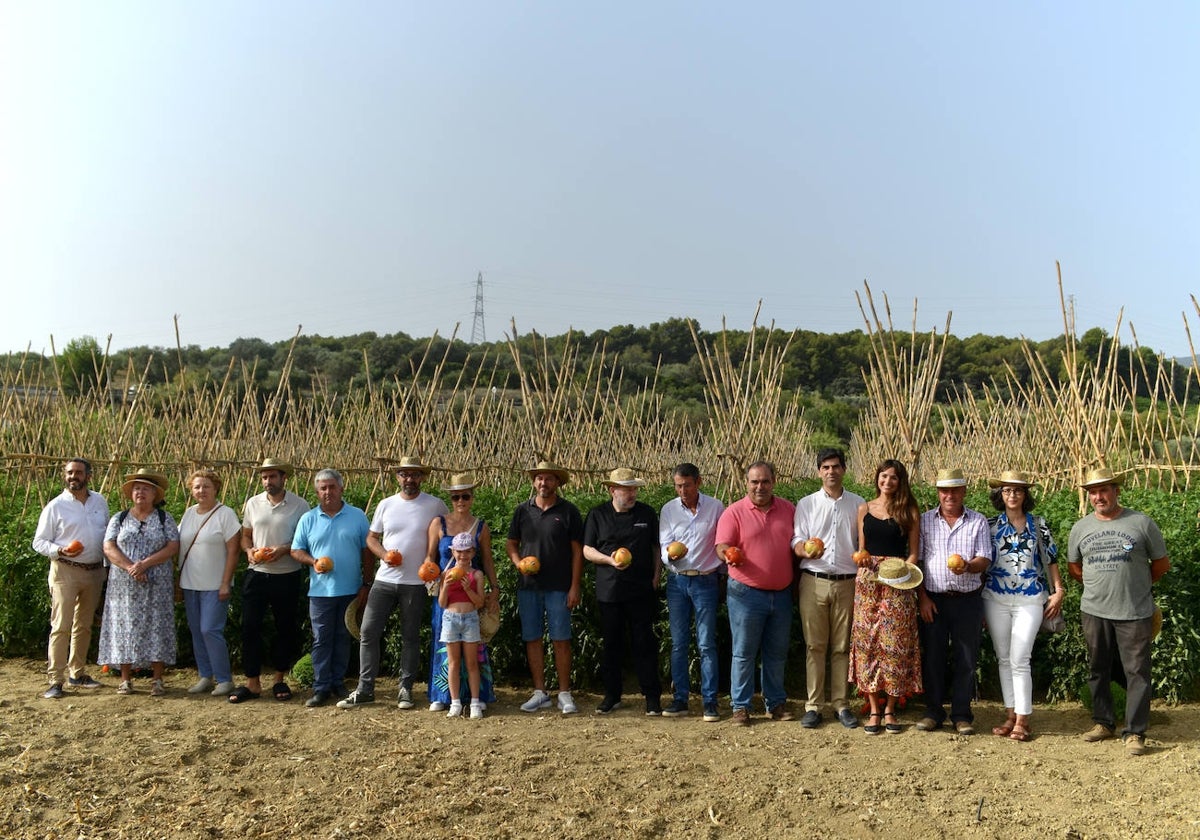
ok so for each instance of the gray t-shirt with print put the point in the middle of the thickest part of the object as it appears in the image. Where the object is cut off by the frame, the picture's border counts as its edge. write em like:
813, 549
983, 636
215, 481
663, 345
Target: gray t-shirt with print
1116, 557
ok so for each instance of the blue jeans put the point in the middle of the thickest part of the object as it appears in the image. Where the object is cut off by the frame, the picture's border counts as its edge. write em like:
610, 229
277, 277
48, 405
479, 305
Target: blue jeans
687, 597
206, 617
331, 640
760, 622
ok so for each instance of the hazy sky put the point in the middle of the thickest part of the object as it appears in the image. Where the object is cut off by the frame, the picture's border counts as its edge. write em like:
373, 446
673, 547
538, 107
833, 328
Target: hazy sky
352, 166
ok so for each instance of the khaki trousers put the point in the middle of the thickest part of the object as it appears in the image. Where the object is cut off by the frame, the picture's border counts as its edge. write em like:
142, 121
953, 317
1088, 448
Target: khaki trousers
826, 613
74, 595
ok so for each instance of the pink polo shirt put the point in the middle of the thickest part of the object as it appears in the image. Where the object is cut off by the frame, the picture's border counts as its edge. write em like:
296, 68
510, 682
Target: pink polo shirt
765, 537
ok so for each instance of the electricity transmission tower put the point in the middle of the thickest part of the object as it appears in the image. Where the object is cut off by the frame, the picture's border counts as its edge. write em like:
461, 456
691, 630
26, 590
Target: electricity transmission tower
478, 333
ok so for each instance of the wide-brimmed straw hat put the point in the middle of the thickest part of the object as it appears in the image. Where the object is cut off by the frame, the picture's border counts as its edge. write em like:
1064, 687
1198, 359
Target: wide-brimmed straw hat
951, 478
898, 574
623, 477
1156, 622
354, 614
279, 464
460, 481
549, 467
145, 476
1011, 478
411, 463
1101, 476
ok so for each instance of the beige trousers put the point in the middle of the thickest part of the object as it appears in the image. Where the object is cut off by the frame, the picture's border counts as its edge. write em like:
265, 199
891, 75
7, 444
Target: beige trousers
826, 613
74, 595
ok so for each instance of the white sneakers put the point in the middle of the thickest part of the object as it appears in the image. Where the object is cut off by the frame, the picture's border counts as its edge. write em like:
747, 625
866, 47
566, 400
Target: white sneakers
540, 700
437, 706
456, 709
202, 685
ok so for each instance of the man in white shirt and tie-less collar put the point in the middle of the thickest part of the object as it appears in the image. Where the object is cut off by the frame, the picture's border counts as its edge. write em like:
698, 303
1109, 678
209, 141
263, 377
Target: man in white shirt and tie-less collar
70, 532
827, 572
687, 528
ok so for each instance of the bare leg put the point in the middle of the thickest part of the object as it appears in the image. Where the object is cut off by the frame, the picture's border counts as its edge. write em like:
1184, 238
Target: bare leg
454, 652
562, 663
537, 663
470, 652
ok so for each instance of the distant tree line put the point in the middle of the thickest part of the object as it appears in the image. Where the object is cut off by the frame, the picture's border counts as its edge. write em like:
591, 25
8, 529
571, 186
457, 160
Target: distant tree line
825, 369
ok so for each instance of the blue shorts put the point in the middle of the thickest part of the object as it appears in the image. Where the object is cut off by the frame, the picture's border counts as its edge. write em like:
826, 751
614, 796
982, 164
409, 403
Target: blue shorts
537, 608
460, 627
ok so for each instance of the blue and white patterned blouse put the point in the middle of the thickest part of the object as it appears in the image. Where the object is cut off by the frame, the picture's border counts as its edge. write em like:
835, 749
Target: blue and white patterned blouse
1016, 569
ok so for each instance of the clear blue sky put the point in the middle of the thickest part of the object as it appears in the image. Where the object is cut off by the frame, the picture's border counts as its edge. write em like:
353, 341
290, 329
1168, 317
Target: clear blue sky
352, 166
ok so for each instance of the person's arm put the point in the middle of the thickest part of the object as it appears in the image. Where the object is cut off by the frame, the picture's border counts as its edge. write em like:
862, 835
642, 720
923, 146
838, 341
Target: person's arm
1158, 568
233, 547
433, 535
43, 538
595, 555
489, 563
573, 595
443, 597
1058, 591
374, 547
368, 575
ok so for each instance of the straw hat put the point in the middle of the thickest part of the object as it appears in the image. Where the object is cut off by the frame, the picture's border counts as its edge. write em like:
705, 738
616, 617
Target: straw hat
145, 476
354, 614
1012, 478
623, 477
279, 464
549, 467
410, 463
1156, 622
951, 478
898, 574
460, 481
1101, 476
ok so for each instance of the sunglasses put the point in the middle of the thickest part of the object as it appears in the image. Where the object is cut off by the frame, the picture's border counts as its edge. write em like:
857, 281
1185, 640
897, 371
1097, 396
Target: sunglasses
460, 497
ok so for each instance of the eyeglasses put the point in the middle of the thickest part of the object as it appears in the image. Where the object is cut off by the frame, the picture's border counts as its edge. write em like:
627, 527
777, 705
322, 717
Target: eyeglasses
460, 497
1012, 491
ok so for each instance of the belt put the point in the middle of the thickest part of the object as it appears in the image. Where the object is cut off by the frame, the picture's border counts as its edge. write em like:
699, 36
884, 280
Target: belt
827, 576
691, 573
955, 594
80, 565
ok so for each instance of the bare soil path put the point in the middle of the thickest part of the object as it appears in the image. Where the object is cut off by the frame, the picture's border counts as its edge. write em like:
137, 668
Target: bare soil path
98, 765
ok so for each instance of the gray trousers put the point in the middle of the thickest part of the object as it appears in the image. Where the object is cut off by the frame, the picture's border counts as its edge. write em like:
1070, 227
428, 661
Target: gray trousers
1130, 641
382, 600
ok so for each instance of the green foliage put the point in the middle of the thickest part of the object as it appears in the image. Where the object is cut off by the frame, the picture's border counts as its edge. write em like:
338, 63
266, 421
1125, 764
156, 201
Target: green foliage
1059, 662
81, 366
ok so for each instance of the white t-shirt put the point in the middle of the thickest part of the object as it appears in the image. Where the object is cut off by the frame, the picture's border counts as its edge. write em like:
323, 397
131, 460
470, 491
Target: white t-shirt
404, 524
205, 564
273, 524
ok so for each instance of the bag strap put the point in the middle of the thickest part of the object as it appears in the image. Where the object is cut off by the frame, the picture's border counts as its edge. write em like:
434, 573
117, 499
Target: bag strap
196, 535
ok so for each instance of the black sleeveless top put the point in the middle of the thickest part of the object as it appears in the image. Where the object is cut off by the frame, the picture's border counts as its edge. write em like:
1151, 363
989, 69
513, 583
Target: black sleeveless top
883, 537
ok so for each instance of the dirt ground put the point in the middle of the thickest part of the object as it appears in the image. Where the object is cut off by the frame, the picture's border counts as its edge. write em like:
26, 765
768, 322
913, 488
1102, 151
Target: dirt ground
99, 765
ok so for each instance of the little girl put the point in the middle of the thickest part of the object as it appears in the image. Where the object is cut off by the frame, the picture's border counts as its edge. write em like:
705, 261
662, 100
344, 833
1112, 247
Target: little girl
461, 596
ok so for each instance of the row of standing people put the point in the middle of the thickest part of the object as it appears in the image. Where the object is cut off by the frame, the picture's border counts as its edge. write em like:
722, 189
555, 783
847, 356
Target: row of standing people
859, 607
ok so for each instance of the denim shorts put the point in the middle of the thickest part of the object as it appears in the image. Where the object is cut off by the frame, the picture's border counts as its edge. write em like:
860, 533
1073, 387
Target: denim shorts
460, 627
537, 608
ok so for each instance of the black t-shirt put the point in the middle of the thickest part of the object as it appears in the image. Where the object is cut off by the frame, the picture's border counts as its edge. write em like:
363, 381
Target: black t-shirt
637, 530
547, 535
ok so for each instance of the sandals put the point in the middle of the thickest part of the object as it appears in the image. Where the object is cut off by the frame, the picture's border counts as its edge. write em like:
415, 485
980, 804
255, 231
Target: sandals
892, 727
1020, 730
244, 694
873, 728
281, 691
1005, 729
